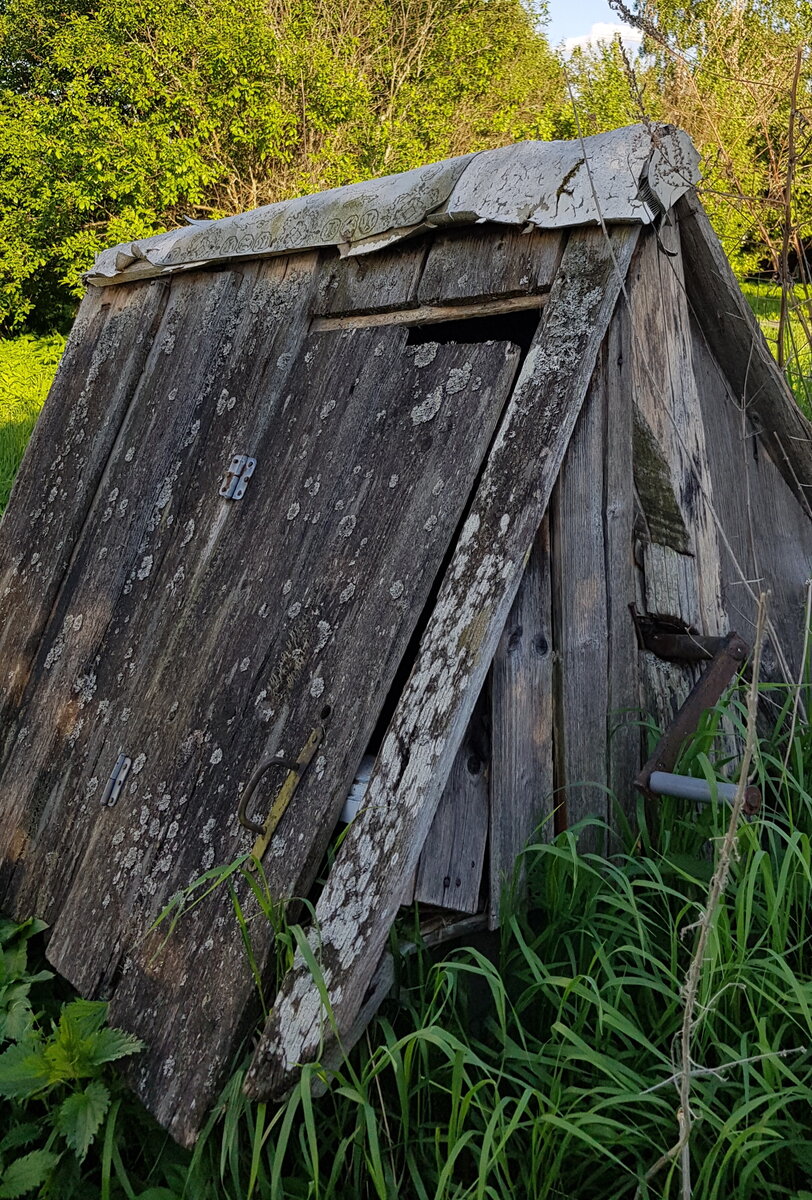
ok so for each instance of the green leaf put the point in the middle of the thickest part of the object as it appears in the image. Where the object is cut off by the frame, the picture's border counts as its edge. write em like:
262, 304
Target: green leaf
20, 1135
27, 1173
18, 1020
23, 1070
85, 1017
79, 1117
110, 1044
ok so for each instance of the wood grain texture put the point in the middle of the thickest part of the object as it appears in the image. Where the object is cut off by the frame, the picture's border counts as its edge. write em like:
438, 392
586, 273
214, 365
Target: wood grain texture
580, 622
361, 897
370, 283
768, 542
489, 260
522, 727
680, 553
449, 873
623, 690
736, 341
432, 314
211, 647
61, 472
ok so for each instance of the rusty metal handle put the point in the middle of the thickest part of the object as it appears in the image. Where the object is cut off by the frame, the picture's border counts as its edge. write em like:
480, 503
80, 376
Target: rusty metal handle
289, 764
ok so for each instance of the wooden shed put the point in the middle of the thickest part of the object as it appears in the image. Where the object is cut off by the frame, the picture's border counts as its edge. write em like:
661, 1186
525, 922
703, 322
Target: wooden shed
373, 475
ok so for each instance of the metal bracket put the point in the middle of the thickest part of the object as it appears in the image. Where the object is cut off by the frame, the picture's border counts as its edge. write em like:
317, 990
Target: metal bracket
239, 472
115, 783
296, 769
672, 640
707, 691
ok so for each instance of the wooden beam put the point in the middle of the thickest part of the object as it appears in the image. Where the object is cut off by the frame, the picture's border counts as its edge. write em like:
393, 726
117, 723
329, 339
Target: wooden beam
430, 314
490, 260
740, 348
362, 894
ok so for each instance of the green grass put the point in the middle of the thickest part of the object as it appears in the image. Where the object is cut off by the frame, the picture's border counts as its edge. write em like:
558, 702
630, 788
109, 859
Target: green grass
27, 367
539, 1064
765, 301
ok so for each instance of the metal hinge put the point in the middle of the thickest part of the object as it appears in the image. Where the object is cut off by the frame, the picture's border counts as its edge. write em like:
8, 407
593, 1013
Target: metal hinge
115, 783
239, 472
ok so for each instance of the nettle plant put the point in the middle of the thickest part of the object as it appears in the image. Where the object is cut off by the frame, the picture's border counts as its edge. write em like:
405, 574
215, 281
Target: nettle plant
50, 1073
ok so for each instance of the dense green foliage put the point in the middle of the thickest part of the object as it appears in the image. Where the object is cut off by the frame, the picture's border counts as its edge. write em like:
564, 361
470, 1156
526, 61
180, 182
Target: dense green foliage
27, 366
118, 118
538, 1065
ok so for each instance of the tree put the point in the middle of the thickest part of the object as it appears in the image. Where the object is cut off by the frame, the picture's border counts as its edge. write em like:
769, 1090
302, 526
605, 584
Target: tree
119, 117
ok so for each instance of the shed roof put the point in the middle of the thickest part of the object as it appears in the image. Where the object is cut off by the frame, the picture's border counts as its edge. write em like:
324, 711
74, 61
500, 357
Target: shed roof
627, 175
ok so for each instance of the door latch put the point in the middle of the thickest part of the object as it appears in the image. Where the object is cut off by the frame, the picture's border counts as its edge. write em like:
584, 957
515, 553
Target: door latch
240, 470
296, 769
115, 783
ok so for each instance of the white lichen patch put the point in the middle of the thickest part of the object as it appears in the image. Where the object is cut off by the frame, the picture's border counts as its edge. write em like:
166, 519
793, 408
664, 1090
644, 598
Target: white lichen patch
216, 756
425, 354
85, 687
138, 763
438, 487
346, 526
504, 523
430, 523
346, 593
130, 455
312, 485
458, 378
396, 590
145, 567
427, 411
393, 481
294, 610
294, 510
245, 663
316, 686
324, 631
327, 409
286, 586
222, 400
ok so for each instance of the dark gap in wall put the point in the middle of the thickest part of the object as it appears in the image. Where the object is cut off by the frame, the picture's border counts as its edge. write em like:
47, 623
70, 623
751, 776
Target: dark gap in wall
518, 327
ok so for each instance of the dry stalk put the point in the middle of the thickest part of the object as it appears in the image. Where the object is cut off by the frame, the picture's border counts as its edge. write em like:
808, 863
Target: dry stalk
682, 1149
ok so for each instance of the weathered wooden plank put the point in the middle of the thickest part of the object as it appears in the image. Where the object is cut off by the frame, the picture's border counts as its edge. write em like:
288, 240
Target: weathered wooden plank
739, 346
225, 647
489, 260
449, 873
768, 535
360, 899
432, 314
61, 471
681, 552
580, 621
522, 783
624, 746
370, 282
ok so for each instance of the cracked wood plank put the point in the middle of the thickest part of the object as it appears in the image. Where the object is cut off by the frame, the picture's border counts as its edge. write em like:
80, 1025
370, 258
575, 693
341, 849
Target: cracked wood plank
375, 283
522, 798
469, 264
207, 647
363, 891
61, 471
681, 570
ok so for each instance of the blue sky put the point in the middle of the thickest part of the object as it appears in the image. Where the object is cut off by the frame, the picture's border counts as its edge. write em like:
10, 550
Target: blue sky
577, 19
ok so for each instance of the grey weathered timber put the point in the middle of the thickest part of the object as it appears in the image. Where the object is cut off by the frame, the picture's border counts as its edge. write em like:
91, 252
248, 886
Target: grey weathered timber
680, 552
739, 346
449, 873
360, 899
753, 499
359, 285
433, 314
580, 622
475, 263
63, 465
253, 623
623, 691
522, 801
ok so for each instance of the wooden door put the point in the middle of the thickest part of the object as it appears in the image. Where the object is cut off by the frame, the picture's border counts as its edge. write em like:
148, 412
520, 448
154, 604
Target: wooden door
197, 635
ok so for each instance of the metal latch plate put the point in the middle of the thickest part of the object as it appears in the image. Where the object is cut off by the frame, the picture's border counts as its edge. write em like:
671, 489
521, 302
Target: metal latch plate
239, 472
117, 779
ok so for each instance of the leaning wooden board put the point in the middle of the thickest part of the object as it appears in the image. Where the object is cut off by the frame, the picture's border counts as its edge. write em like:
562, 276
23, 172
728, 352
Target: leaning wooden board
360, 899
198, 635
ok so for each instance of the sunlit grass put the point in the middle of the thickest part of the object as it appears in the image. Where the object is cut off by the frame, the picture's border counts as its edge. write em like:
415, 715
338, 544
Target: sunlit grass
765, 300
27, 367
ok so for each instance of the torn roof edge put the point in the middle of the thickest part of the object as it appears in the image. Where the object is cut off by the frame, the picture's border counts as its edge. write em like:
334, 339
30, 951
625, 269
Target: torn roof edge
632, 174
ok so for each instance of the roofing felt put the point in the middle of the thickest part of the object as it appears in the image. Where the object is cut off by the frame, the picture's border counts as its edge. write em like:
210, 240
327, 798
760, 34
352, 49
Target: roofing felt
632, 174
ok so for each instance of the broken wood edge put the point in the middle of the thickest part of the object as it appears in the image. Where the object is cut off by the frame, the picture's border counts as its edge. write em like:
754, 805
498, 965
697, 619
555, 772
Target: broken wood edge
381, 987
456, 650
430, 314
741, 350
